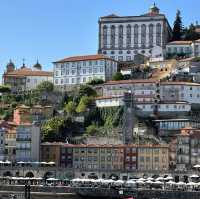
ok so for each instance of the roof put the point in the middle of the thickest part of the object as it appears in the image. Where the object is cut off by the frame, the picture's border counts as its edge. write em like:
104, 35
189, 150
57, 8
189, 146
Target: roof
180, 83
109, 97
131, 81
83, 58
23, 72
180, 43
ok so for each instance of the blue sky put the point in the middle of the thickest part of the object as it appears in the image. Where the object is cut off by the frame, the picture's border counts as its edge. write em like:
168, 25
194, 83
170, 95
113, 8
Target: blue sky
51, 29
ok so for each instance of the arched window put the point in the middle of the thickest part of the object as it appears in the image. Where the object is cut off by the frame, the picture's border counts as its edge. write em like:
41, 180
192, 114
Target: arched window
105, 30
128, 36
120, 36
143, 35
112, 38
151, 35
136, 28
158, 34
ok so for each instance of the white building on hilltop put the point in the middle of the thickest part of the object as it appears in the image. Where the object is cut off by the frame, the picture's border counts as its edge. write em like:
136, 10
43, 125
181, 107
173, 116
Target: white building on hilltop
77, 70
124, 37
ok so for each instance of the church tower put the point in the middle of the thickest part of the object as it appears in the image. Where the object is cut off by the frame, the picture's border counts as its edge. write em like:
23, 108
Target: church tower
154, 10
10, 66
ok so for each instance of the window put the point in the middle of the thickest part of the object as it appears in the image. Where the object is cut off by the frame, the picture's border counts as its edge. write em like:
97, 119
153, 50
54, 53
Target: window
143, 35
156, 159
105, 29
112, 41
190, 88
73, 80
84, 71
95, 70
141, 159
136, 35
56, 81
73, 72
120, 58
84, 63
151, 35
190, 95
84, 79
57, 73
90, 63
128, 36
120, 36
158, 34
128, 58
67, 72
101, 69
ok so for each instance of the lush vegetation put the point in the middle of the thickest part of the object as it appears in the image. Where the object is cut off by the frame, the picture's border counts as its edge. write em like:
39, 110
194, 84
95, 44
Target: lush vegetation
181, 33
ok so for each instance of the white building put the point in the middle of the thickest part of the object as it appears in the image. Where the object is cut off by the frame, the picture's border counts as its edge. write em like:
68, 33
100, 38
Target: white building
77, 70
166, 108
180, 91
154, 91
28, 143
2, 143
124, 37
25, 78
183, 48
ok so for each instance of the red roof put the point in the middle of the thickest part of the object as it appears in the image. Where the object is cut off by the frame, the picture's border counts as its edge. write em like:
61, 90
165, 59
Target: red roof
180, 43
83, 58
144, 81
23, 72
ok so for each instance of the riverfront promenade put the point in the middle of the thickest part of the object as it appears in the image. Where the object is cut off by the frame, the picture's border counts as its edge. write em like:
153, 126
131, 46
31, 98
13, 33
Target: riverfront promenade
95, 192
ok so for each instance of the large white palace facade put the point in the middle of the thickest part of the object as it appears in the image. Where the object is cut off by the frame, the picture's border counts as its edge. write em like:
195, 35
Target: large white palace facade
122, 38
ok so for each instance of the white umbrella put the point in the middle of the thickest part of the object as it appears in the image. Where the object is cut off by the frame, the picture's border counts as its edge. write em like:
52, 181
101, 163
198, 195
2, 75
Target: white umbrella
77, 180
51, 163
194, 176
119, 182
108, 181
7, 162
180, 183
150, 178
140, 182
169, 178
197, 166
159, 178
158, 182
52, 179
20, 162
191, 183
141, 179
170, 182
149, 182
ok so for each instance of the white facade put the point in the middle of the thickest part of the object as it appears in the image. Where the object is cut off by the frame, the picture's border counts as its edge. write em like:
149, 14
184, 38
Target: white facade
80, 70
146, 107
33, 81
150, 90
27, 143
186, 48
180, 91
121, 38
2, 143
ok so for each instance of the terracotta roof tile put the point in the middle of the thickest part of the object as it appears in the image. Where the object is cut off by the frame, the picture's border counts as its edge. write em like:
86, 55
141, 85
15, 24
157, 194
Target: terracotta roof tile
83, 58
28, 72
131, 81
180, 43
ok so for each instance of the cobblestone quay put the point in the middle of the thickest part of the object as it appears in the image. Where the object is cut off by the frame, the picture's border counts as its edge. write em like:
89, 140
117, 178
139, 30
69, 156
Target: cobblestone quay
137, 193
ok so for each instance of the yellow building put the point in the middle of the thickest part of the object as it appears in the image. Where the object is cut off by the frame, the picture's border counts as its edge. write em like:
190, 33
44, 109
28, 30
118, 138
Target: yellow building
153, 157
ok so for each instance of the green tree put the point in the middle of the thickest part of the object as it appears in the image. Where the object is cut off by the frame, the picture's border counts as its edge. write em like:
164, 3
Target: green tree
92, 130
4, 89
84, 102
86, 90
50, 129
190, 33
45, 86
117, 76
178, 27
96, 82
70, 107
